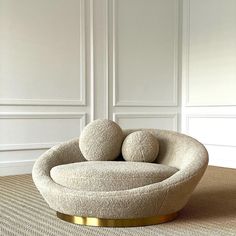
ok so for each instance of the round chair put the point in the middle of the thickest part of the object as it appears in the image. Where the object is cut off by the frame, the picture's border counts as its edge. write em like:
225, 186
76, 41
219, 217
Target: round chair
127, 199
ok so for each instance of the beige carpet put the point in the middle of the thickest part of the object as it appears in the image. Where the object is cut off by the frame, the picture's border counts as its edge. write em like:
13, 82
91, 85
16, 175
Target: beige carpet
210, 211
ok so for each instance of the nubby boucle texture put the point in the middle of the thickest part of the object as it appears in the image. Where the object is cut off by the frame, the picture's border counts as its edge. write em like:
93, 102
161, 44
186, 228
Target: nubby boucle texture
160, 198
140, 146
101, 140
109, 175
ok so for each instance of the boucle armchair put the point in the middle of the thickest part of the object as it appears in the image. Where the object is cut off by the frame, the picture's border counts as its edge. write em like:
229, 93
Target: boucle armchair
144, 204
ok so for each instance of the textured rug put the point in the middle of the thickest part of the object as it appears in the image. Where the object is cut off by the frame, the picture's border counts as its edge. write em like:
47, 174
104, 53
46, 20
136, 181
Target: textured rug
210, 211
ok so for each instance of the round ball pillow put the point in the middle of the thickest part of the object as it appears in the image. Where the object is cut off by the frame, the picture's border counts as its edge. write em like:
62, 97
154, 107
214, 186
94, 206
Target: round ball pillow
140, 146
101, 140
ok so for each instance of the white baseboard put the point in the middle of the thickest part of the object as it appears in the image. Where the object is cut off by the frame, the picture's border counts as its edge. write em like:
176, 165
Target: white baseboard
16, 167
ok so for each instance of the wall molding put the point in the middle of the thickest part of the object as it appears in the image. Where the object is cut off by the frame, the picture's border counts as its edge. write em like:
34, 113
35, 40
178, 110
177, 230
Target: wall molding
62, 102
92, 79
173, 116
28, 146
92, 61
107, 60
228, 154
39, 115
188, 117
185, 61
116, 101
16, 167
185, 51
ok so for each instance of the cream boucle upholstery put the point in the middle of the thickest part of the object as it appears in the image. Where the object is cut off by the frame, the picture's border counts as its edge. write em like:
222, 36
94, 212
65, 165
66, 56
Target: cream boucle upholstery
101, 140
109, 175
168, 196
140, 146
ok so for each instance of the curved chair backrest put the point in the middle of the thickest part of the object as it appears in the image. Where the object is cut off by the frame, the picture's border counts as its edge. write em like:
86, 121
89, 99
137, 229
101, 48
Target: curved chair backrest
177, 150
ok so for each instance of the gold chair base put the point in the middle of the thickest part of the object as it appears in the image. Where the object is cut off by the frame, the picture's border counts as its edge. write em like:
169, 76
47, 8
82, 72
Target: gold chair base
93, 221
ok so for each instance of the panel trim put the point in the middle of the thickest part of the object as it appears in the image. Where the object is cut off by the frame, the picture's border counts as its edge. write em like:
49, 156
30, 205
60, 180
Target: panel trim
212, 116
185, 51
173, 116
116, 101
107, 60
39, 115
185, 61
92, 61
28, 146
92, 86
62, 102
16, 167
227, 161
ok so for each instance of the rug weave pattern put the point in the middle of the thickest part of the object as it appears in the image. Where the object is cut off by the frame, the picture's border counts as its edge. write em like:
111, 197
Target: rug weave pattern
210, 211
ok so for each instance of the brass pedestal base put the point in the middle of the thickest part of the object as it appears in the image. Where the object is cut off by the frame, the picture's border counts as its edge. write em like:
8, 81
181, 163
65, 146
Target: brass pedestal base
93, 221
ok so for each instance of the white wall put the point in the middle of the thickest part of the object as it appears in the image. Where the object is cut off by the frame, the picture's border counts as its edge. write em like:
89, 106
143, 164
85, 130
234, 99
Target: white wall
143, 70
44, 98
209, 77
144, 63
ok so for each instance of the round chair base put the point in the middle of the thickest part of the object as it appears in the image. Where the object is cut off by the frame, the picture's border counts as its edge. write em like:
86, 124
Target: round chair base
93, 221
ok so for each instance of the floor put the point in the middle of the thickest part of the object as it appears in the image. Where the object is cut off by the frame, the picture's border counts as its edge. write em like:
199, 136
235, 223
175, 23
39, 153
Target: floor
210, 211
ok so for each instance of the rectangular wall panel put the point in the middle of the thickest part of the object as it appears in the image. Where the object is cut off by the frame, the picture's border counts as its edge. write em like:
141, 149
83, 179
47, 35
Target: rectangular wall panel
218, 134
136, 121
20, 167
42, 52
25, 136
100, 58
213, 129
145, 52
12, 163
222, 156
211, 52
37, 131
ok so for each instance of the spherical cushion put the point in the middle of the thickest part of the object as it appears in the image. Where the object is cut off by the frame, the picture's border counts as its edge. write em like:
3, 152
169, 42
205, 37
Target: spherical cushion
101, 140
140, 146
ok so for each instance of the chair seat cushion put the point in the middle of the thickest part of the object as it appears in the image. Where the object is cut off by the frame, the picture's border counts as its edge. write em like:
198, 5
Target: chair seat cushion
109, 175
